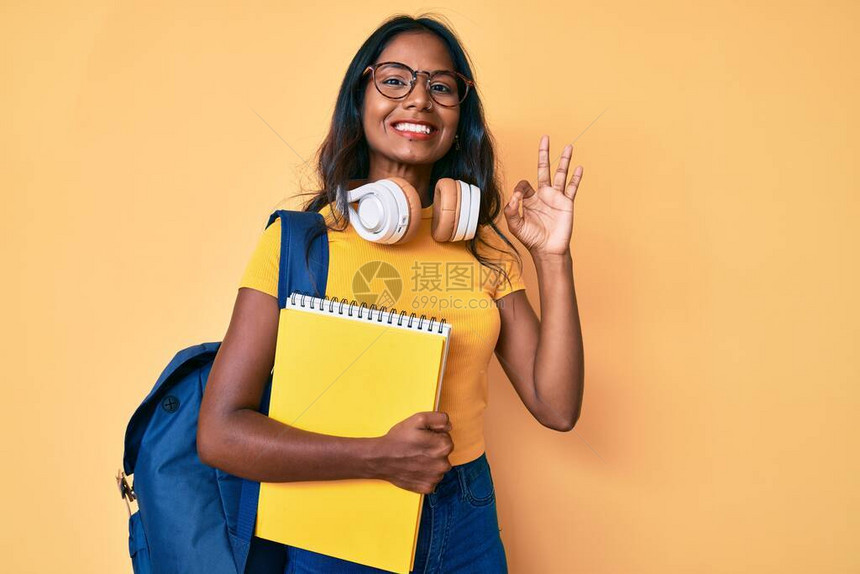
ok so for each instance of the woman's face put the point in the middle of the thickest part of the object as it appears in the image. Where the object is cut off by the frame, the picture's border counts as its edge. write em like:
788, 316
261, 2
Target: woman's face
393, 150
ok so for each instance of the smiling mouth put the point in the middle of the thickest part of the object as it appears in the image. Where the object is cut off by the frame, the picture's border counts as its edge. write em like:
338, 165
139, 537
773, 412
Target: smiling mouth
408, 128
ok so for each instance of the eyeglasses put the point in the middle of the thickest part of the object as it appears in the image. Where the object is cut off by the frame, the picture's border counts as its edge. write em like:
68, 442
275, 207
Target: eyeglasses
396, 81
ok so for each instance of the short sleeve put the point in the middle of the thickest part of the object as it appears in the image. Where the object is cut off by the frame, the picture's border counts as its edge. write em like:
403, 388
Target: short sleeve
515, 279
261, 272
502, 254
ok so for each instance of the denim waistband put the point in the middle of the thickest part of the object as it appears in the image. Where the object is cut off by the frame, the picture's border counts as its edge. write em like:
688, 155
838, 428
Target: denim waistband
459, 475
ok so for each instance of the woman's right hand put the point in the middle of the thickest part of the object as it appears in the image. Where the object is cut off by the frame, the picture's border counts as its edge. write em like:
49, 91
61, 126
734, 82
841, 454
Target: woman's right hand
414, 453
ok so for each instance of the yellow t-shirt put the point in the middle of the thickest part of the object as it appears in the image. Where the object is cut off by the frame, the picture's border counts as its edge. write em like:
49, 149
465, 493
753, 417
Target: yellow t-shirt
441, 280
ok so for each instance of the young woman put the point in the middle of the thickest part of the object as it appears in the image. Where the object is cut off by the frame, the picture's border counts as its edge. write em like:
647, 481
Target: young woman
411, 72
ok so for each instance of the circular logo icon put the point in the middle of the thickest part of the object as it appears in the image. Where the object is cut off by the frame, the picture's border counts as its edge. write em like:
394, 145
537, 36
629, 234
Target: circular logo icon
377, 283
170, 403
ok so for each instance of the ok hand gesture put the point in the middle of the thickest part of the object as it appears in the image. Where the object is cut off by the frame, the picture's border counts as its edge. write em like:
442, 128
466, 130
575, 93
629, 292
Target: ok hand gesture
546, 224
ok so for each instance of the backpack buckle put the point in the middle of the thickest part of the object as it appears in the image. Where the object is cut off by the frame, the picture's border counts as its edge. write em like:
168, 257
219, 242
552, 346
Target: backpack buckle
125, 490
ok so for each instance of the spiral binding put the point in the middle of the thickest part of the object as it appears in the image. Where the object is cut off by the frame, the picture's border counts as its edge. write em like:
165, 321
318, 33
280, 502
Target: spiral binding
317, 303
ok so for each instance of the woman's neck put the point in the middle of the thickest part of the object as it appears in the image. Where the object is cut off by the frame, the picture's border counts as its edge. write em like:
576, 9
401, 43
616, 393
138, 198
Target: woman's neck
418, 177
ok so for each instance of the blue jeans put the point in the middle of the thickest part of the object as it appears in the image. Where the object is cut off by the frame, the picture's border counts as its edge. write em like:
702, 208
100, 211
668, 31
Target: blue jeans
459, 531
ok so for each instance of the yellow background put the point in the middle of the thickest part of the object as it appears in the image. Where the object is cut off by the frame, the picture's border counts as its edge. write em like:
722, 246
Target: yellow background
712, 250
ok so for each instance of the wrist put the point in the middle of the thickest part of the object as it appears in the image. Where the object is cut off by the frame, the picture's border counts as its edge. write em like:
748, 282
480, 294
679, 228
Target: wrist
371, 453
539, 256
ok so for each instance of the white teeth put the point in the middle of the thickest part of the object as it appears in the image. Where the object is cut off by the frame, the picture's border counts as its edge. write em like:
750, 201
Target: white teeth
406, 127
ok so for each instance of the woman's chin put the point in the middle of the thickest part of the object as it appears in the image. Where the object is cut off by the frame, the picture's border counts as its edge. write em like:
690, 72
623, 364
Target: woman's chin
414, 158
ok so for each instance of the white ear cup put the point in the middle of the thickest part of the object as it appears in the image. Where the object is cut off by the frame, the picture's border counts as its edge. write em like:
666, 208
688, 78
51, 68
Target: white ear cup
383, 213
470, 205
472, 227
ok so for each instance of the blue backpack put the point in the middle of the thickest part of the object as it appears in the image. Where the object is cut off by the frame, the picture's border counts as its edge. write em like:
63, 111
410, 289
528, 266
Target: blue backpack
192, 517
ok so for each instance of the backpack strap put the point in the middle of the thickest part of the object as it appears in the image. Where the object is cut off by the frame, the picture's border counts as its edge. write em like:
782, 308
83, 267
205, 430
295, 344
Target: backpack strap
294, 275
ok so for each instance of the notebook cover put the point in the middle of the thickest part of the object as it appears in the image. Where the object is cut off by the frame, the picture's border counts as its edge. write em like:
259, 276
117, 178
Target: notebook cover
349, 377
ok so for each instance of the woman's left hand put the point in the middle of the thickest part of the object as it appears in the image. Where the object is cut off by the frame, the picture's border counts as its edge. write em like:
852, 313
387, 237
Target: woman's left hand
546, 225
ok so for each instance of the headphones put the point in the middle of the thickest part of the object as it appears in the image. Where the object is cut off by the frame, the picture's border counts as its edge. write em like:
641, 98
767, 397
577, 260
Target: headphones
389, 210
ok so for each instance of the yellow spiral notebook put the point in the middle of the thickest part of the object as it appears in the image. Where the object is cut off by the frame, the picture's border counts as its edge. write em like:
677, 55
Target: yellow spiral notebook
356, 371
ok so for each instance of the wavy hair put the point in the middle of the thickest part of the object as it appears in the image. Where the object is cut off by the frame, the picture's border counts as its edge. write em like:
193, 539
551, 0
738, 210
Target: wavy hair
344, 155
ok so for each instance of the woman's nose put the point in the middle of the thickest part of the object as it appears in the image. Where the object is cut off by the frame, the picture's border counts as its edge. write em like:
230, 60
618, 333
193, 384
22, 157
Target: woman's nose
420, 94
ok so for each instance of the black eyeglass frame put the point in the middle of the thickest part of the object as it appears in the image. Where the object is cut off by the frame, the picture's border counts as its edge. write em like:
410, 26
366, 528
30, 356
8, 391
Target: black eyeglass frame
372, 69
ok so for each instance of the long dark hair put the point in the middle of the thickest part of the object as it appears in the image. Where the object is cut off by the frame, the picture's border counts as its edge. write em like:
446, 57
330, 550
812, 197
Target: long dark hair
344, 155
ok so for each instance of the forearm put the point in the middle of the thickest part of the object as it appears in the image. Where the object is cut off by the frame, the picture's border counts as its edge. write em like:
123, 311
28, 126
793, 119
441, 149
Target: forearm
251, 445
559, 360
